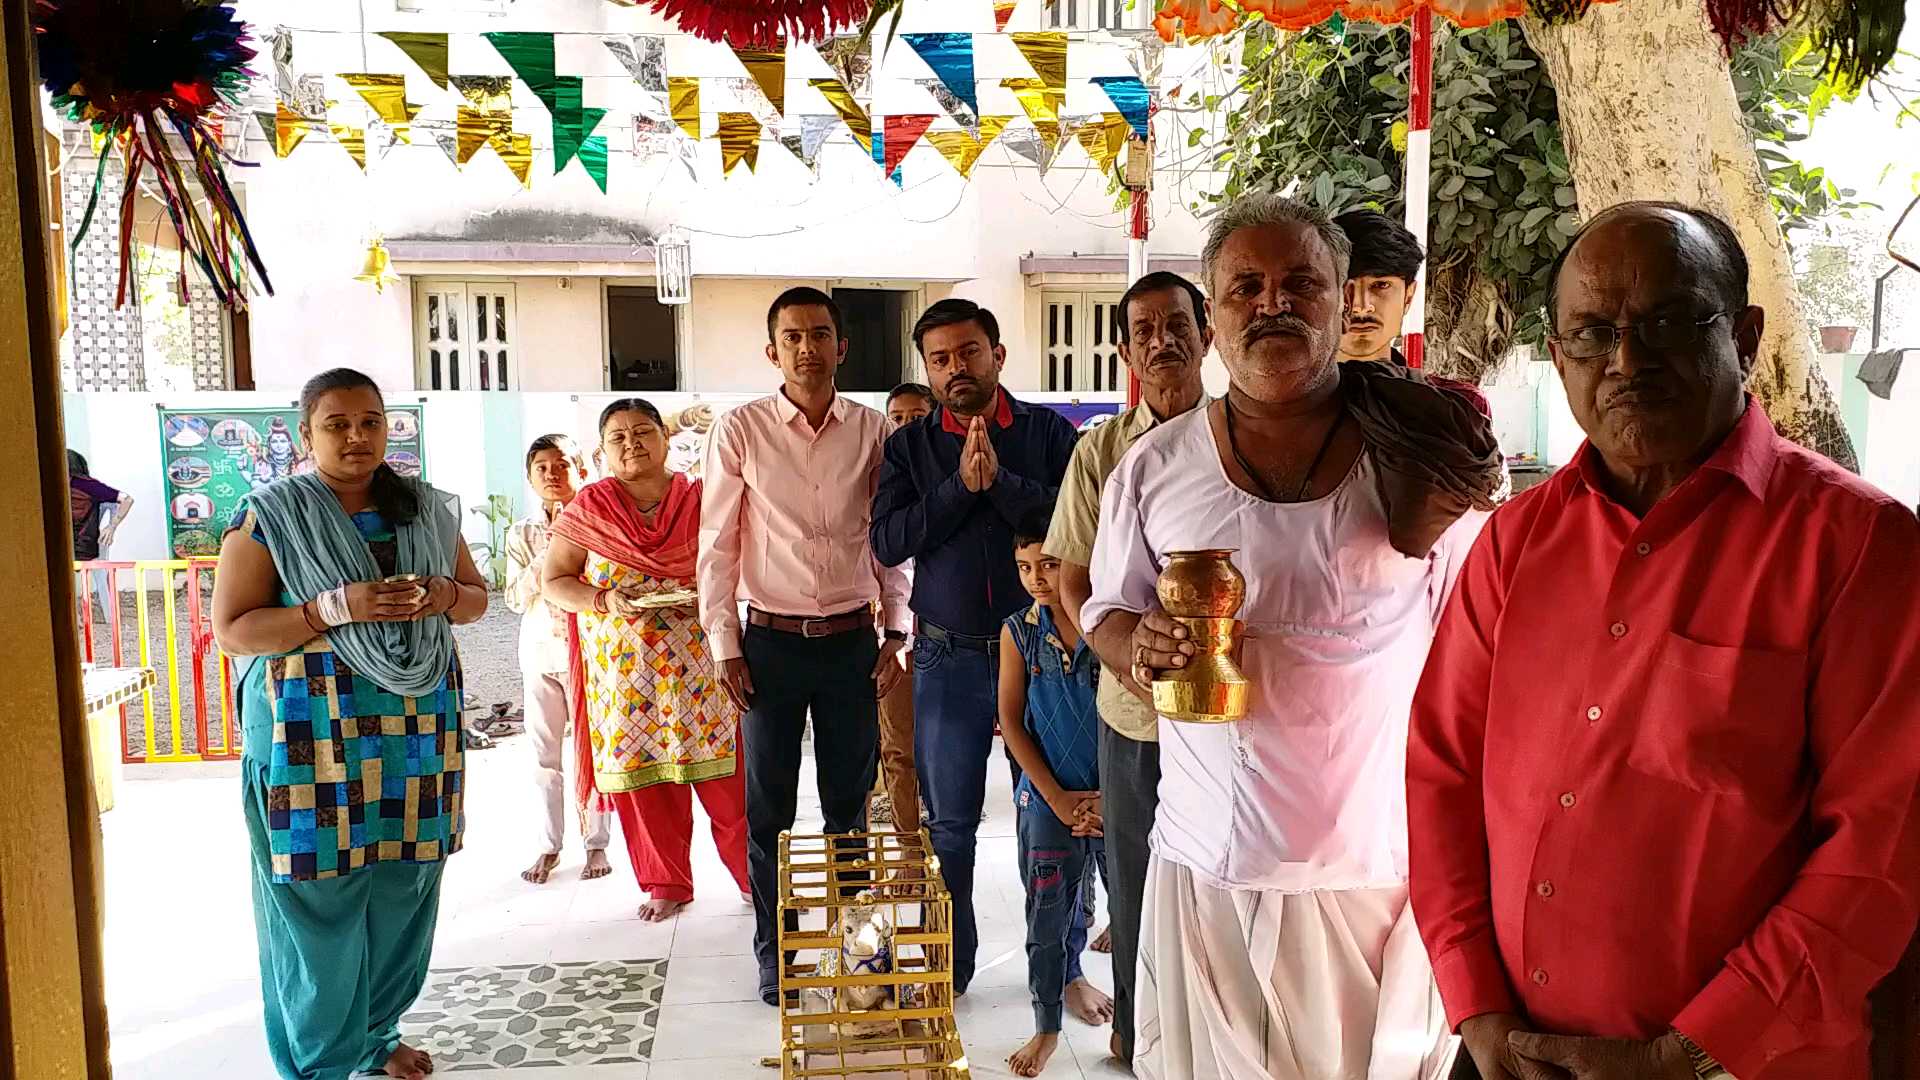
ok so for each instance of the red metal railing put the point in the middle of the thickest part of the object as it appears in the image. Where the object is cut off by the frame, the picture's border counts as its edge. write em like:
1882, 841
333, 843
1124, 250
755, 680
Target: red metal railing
212, 719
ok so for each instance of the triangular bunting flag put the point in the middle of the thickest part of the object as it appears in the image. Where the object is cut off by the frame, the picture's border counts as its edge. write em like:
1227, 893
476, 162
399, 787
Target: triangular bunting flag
1103, 138
755, 101
644, 56
1041, 103
427, 51
353, 140
288, 129
852, 62
961, 149
850, 111
769, 69
950, 55
902, 132
386, 95
1002, 12
531, 57
813, 135
1129, 95
1046, 50
739, 141
683, 96
1032, 145
962, 113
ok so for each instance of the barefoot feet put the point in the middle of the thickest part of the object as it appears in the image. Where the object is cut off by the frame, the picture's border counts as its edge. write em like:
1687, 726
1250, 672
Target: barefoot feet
597, 865
406, 1063
1086, 1001
1104, 942
1031, 1058
541, 869
660, 910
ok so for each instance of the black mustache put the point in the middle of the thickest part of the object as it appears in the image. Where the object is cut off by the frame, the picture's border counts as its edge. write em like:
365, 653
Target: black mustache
1277, 324
1168, 357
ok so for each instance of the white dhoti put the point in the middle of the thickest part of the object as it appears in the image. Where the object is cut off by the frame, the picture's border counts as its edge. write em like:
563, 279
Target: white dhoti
1239, 985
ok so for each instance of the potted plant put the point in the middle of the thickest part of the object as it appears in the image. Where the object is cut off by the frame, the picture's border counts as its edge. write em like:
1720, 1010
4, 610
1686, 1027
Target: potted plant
1836, 294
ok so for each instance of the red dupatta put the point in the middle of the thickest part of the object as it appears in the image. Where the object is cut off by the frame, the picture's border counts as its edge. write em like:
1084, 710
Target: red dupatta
605, 520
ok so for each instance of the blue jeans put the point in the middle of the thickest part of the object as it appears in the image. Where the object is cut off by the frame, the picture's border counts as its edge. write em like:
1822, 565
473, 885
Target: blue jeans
1057, 868
955, 701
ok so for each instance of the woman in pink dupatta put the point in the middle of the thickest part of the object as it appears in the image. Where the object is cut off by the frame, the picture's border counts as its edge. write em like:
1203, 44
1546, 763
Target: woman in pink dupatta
650, 719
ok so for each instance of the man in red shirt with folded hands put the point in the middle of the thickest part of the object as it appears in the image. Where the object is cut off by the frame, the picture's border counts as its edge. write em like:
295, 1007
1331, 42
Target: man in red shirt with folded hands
1662, 773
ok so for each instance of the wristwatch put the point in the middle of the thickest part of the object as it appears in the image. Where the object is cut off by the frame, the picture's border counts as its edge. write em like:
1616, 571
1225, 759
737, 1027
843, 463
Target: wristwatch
896, 635
1704, 1066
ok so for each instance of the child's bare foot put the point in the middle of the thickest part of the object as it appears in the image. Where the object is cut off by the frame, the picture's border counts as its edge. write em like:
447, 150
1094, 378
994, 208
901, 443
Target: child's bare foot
597, 865
541, 869
406, 1063
1087, 1002
1103, 943
660, 910
1031, 1058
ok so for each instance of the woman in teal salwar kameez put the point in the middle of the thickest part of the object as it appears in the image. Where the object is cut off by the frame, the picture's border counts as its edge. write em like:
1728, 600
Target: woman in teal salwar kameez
350, 712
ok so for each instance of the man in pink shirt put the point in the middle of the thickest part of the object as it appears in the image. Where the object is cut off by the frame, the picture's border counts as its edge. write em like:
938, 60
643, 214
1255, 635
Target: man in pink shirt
783, 527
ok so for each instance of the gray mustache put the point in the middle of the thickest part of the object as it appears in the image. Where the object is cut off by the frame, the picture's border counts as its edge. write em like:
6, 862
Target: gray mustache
1278, 324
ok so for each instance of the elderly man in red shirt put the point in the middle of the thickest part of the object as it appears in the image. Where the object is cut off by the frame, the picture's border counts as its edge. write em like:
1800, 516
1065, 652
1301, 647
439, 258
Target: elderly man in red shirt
1663, 762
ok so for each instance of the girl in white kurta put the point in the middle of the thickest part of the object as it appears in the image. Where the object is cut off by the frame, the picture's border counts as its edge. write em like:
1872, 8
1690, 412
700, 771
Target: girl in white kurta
1276, 938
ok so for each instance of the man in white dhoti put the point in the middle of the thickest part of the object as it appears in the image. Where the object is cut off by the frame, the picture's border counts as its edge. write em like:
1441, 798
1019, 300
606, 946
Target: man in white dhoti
1276, 938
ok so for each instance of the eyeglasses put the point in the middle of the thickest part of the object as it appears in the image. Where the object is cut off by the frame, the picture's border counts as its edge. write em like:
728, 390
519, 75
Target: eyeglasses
1662, 335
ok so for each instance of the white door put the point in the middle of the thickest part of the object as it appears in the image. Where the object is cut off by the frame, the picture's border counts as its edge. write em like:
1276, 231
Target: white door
1083, 339
464, 335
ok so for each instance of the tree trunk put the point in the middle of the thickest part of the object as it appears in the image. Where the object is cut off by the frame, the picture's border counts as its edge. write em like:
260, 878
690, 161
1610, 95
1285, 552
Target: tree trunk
1647, 110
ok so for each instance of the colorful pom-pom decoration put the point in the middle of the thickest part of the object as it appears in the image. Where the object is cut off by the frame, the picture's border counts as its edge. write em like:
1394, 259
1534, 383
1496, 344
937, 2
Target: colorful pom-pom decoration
153, 79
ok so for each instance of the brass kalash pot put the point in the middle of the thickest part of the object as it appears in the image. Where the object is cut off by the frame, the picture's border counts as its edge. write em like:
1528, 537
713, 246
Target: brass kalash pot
1203, 592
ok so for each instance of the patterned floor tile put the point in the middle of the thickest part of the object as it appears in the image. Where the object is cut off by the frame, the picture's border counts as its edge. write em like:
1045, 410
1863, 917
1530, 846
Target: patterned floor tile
538, 1015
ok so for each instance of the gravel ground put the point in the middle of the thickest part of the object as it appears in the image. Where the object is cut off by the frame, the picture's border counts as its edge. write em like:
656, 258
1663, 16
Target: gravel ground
489, 649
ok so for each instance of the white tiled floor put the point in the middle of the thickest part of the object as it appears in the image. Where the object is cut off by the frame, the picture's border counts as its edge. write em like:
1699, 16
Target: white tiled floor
183, 991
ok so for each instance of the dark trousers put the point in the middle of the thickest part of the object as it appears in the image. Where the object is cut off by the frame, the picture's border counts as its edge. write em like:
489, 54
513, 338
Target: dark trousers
831, 678
1129, 797
955, 700
1058, 869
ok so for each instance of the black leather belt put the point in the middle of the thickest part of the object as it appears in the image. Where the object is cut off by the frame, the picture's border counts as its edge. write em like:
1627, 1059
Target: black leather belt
970, 642
817, 626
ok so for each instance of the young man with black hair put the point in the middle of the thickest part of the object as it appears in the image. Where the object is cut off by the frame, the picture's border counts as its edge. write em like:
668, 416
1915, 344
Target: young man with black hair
951, 487
1381, 285
789, 482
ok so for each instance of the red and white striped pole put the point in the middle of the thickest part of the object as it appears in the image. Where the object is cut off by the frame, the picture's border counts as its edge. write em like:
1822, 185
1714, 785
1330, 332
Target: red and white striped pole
1419, 163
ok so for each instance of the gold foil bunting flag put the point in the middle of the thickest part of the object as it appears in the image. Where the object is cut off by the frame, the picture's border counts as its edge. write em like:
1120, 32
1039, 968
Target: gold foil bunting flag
1103, 138
288, 129
515, 151
353, 140
858, 123
1046, 50
683, 99
739, 141
386, 95
1041, 102
769, 69
427, 51
963, 150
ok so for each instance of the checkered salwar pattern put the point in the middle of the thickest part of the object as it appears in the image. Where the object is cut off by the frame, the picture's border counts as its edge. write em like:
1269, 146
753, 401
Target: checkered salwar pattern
656, 708
359, 775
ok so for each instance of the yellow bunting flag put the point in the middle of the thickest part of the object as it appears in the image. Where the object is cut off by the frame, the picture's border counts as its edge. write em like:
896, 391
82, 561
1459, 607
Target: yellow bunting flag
428, 51
1002, 12
386, 95
842, 101
1042, 103
739, 140
515, 150
768, 68
1104, 139
353, 140
1046, 50
289, 128
961, 149
683, 97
